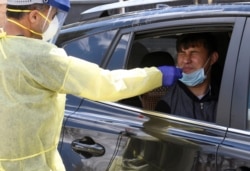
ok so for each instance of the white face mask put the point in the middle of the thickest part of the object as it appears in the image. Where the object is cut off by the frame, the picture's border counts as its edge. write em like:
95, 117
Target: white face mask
51, 30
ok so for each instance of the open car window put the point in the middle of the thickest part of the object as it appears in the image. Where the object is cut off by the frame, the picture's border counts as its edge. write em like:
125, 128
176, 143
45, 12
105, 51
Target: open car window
165, 41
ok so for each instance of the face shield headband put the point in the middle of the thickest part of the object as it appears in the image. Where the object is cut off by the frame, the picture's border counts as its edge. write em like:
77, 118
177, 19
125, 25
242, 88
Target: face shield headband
58, 22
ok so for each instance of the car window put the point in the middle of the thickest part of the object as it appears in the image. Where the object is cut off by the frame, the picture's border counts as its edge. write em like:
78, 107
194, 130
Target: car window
117, 60
91, 48
146, 45
163, 41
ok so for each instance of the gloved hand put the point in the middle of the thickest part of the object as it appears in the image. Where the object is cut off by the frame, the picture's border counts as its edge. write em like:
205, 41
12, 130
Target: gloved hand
170, 74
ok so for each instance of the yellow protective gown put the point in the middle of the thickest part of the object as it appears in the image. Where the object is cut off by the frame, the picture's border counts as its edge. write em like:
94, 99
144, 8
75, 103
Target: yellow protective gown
35, 76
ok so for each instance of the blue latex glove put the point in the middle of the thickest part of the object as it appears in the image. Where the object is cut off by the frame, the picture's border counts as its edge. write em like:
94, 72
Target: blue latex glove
170, 74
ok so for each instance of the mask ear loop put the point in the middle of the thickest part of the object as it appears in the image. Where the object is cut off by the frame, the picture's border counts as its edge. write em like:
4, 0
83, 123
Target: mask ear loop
46, 18
209, 69
17, 10
20, 25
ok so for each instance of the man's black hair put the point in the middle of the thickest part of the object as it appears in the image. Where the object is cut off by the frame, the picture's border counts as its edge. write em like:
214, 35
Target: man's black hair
195, 39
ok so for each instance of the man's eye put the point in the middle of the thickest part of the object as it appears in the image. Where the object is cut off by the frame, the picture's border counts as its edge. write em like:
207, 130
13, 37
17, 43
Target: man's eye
181, 54
194, 54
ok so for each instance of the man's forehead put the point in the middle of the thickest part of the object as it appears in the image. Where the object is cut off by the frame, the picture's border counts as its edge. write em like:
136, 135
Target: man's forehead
191, 45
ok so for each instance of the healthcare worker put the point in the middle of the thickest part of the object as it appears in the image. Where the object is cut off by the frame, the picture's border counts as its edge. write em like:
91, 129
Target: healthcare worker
35, 77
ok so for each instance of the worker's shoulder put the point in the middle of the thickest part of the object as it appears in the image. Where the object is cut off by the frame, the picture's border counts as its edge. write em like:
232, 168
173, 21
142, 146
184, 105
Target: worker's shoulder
28, 42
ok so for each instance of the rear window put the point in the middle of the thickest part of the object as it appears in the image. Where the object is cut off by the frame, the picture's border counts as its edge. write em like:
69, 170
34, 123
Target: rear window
92, 48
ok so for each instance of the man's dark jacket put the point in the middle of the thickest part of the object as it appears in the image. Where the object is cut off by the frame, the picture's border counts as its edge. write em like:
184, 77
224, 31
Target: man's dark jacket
180, 101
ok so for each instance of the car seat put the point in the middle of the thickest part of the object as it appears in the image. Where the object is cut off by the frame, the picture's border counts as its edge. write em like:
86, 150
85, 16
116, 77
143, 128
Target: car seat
158, 58
138, 51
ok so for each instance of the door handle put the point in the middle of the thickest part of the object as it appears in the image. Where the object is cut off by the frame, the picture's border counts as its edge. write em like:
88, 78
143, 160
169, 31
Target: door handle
87, 147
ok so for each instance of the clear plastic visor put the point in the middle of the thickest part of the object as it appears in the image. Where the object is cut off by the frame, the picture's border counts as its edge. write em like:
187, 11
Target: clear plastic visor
53, 22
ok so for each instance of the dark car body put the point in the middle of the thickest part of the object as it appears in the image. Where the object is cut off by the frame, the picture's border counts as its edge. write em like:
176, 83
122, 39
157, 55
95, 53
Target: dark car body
122, 136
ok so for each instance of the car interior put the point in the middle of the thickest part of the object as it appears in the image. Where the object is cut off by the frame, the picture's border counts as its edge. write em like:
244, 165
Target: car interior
152, 43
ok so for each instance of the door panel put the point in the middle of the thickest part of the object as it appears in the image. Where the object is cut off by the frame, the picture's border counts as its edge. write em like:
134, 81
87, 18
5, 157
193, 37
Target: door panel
106, 125
234, 152
108, 136
189, 144
135, 141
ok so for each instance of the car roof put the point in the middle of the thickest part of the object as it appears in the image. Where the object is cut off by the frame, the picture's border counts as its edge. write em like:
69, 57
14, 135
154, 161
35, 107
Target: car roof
237, 7
151, 15
123, 4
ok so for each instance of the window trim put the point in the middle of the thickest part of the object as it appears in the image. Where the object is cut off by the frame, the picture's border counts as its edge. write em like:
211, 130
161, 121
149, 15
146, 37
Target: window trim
224, 103
241, 86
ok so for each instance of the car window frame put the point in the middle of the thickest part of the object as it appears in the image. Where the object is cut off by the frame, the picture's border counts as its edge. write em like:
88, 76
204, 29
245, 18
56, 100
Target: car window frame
223, 115
240, 98
225, 104
112, 48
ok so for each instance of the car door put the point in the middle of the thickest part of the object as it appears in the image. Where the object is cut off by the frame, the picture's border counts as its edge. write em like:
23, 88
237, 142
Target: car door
207, 138
89, 122
112, 136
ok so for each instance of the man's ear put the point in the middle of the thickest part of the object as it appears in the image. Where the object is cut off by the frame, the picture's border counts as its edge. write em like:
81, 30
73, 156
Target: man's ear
33, 16
214, 57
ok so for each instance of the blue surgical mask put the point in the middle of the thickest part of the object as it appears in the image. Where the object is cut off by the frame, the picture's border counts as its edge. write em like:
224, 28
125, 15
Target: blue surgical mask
194, 78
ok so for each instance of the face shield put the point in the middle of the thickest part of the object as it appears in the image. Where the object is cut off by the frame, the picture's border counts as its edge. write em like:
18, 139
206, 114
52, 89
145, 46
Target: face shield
52, 24
53, 20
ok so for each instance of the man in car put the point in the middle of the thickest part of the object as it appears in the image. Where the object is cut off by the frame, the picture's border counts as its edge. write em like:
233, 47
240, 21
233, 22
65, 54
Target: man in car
194, 95
37, 75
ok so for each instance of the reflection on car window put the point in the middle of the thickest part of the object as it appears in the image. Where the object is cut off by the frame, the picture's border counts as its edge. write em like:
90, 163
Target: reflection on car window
117, 60
92, 48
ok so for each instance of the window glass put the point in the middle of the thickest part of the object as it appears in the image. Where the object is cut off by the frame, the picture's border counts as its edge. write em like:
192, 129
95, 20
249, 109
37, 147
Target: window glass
92, 48
117, 60
143, 46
